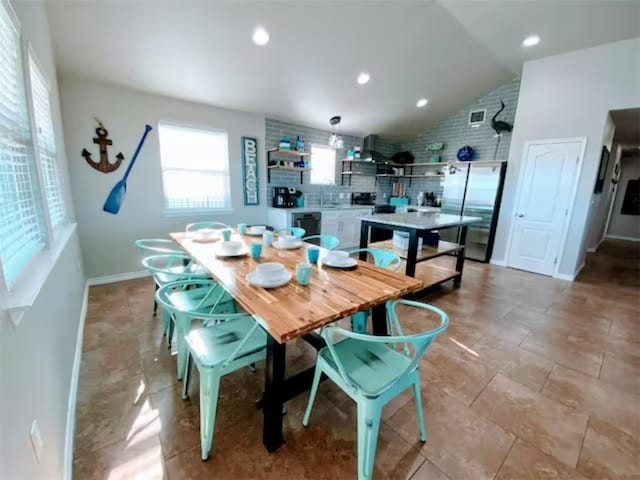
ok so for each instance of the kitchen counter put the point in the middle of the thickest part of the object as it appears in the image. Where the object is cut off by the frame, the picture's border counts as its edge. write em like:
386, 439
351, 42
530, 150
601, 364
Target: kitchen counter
421, 220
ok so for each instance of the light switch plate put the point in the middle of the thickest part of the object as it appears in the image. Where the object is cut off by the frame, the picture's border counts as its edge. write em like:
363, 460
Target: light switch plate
36, 440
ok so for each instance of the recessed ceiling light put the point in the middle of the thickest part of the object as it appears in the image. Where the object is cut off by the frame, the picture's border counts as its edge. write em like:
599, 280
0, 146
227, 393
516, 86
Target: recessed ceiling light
363, 78
531, 41
422, 102
260, 36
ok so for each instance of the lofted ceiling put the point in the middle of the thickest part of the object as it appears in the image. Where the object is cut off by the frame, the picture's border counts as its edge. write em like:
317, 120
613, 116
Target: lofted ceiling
450, 52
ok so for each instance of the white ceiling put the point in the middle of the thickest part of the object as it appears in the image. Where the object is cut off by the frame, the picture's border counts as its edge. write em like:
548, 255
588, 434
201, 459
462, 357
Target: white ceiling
450, 52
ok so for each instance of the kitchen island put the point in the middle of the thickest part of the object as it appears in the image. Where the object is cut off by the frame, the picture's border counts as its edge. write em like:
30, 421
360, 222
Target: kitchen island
418, 224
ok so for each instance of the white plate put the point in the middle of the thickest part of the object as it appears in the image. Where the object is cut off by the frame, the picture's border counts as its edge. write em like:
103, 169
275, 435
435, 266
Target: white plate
256, 233
351, 262
255, 280
243, 251
290, 246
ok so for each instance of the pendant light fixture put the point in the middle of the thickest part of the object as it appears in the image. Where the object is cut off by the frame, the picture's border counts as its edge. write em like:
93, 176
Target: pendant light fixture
335, 140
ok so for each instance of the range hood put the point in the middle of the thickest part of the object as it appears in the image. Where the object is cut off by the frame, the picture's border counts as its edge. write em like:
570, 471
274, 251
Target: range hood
369, 150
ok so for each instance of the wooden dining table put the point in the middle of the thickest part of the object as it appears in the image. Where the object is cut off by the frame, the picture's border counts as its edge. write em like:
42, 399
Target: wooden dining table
294, 311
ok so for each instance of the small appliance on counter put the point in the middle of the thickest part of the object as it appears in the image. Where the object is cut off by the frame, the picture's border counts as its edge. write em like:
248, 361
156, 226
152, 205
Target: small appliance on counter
283, 197
363, 198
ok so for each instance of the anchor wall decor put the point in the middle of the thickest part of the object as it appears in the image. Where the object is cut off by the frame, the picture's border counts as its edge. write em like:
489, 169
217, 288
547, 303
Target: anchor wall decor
103, 165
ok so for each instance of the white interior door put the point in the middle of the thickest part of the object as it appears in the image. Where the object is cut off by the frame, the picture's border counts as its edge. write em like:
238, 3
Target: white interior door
543, 205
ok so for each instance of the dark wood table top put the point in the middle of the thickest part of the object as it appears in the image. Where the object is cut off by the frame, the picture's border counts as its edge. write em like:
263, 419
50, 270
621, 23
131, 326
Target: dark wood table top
292, 310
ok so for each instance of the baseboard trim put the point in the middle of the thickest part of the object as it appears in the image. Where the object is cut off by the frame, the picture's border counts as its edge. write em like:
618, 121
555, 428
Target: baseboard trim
620, 237
119, 277
498, 263
570, 277
73, 390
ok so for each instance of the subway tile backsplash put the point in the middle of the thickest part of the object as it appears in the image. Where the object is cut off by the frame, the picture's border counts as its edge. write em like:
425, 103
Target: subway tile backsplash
454, 132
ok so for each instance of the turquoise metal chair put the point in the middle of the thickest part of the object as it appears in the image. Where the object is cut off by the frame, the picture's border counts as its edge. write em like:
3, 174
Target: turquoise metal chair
373, 370
228, 343
156, 246
326, 241
168, 269
193, 298
295, 231
381, 258
192, 227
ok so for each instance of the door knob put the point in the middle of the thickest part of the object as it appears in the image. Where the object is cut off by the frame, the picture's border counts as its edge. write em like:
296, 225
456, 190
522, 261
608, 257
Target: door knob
520, 215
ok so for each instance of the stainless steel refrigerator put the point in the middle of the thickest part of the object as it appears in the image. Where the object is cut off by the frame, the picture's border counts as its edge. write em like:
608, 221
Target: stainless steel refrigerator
474, 189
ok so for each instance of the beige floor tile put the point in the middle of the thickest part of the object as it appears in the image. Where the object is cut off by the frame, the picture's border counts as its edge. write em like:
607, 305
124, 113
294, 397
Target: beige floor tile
574, 353
609, 452
520, 365
528, 463
451, 368
461, 443
544, 423
123, 460
428, 471
621, 374
594, 397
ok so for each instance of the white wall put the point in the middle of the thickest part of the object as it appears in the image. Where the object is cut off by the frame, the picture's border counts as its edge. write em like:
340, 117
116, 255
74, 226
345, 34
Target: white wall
107, 240
36, 358
570, 95
625, 226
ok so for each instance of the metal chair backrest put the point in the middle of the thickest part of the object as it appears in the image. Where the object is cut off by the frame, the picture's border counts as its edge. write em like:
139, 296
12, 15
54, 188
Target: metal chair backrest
413, 346
381, 257
192, 227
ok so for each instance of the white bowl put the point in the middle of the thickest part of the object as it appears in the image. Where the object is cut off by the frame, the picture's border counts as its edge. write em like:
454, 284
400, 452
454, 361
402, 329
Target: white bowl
288, 239
338, 257
270, 270
258, 229
231, 247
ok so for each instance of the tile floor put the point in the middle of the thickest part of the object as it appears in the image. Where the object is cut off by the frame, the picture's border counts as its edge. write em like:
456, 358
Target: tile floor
535, 378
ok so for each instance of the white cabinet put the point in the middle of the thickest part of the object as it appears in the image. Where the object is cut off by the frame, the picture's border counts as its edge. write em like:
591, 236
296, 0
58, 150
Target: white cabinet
343, 224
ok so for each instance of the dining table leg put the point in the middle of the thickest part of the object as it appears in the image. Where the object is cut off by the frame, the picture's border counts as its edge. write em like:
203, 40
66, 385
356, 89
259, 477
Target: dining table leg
379, 319
364, 239
274, 383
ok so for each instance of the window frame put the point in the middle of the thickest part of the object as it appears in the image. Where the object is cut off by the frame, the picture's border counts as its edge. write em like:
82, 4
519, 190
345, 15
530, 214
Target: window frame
182, 212
24, 289
335, 162
31, 56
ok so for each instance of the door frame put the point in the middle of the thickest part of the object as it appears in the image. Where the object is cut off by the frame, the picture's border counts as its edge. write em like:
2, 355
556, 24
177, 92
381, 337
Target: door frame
572, 200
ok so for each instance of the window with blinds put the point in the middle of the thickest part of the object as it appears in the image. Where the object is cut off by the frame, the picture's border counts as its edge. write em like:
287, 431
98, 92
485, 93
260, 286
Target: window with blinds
22, 232
46, 144
195, 168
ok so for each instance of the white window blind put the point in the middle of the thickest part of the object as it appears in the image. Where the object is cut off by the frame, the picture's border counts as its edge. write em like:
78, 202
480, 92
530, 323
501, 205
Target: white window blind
46, 145
323, 165
195, 168
22, 232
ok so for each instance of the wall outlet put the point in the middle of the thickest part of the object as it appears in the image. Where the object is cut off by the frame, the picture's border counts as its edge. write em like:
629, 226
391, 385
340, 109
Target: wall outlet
36, 441
341, 195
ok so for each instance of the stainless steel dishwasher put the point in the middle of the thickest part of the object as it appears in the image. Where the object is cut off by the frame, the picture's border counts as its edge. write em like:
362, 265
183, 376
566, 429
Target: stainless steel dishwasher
310, 221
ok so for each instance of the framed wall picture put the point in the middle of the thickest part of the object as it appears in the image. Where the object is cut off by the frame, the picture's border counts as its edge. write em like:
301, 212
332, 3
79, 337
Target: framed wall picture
602, 171
250, 181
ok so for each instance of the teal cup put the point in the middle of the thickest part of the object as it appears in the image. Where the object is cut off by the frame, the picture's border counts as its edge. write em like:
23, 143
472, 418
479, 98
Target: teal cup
242, 228
255, 249
313, 253
267, 238
226, 234
303, 273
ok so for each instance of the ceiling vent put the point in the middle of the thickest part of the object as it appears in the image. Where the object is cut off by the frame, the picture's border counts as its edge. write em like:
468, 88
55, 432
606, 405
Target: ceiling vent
476, 117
